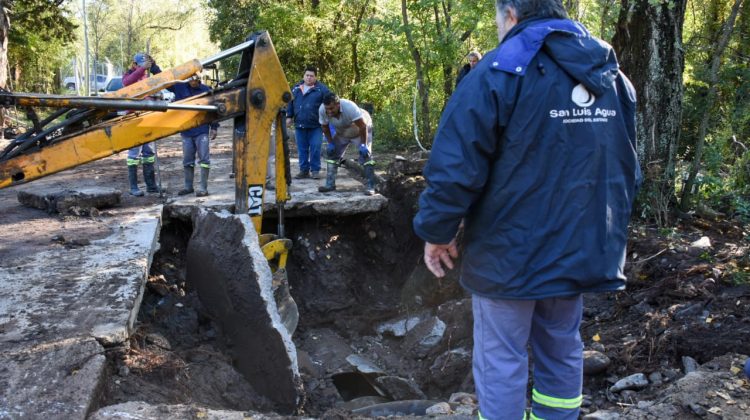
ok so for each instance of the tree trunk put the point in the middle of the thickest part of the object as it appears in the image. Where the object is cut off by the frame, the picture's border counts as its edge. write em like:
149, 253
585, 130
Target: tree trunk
355, 47
4, 29
648, 40
713, 79
422, 89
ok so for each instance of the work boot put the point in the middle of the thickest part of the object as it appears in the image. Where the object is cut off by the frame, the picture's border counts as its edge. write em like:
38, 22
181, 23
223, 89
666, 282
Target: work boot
331, 170
203, 188
133, 180
189, 175
302, 175
370, 175
149, 176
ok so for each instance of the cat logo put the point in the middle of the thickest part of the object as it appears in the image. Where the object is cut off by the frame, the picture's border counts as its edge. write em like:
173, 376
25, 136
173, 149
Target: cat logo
255, 200
582, 97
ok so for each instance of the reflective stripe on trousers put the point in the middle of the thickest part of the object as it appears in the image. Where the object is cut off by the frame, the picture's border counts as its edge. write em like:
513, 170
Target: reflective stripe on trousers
502, 330
141, 154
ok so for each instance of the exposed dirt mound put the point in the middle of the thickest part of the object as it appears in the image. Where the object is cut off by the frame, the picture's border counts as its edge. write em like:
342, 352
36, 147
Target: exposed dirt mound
375, 326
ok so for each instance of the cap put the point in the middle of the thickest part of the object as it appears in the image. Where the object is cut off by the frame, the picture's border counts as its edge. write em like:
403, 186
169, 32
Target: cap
140, 59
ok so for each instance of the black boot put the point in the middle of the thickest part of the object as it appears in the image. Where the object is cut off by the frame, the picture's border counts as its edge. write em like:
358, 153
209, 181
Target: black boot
370, 175
133, 180
331, 169
149, 176
189, 176
203, 188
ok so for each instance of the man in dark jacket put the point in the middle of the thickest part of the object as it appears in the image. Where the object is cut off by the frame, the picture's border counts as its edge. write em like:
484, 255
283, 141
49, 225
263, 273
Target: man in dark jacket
307, 96
196, 140
536, 154
473, 58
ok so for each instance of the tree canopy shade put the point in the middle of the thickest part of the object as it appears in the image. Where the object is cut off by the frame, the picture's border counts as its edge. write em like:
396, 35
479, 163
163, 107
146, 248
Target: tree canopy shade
689, 66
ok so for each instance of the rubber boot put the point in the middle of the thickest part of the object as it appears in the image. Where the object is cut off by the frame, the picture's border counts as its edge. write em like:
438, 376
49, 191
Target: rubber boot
331, 170
203, 188
189, 176
149, 176
370, 175
133, 180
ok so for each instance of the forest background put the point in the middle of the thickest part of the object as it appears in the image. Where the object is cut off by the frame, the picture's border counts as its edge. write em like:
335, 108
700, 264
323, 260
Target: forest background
688, 60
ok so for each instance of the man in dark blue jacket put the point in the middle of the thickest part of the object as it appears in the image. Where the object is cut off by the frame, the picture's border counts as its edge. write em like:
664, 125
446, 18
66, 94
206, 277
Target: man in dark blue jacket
307, 96
536, 154
196, 140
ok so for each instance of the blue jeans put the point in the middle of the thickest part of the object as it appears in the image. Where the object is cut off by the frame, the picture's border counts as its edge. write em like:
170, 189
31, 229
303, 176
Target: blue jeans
192, 145
308, 148
502, 330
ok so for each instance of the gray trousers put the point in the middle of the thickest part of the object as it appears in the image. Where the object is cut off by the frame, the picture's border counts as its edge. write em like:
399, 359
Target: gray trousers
502, 331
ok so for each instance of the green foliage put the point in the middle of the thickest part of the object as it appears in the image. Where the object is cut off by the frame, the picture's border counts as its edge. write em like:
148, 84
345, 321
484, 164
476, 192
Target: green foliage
724, 181
41, 30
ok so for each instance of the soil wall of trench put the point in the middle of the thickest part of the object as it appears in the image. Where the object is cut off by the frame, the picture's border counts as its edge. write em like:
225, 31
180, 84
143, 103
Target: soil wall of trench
356, 280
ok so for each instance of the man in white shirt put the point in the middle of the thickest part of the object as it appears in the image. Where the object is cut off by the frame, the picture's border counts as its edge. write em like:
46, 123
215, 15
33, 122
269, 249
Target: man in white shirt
353, 125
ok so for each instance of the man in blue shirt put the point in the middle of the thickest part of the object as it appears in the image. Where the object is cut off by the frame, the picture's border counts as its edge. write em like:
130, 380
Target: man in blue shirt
307, 95
535, 156
196, 140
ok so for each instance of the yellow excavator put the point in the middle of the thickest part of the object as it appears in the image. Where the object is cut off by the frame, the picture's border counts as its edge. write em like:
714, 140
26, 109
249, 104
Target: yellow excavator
254, 99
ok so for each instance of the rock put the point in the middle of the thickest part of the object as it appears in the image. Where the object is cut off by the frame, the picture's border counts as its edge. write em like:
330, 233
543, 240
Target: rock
78, 202
221, 246
655, 378
400, 389
448, 368
643, 308
361, 402
685, 311
400, 326
594, 362
689, 364
636, 381
702, 243
363, 365
670, 375
463, 398
439, 409
602, 415
396, 408
158, 340
629, 396
424, 337
597, 347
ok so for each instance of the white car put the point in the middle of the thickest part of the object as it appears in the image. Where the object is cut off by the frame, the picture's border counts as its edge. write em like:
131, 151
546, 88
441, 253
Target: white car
70, 83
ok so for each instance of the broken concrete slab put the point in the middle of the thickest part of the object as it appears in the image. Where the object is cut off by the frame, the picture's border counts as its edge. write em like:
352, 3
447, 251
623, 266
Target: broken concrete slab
226, 266
306, 200
400, 326
400, 388
141, 410
51, 380
96, 290
424, 337
70, 201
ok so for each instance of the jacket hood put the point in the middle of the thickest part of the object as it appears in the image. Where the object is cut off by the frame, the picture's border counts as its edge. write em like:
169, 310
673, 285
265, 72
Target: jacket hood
588, 60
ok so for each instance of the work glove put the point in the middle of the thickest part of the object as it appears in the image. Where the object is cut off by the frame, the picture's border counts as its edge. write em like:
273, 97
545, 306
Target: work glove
363, 151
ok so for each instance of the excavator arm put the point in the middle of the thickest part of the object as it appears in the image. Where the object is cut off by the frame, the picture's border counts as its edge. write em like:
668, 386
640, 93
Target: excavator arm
255, 99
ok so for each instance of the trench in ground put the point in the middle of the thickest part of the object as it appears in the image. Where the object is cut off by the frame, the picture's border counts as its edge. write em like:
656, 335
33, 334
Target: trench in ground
348, 276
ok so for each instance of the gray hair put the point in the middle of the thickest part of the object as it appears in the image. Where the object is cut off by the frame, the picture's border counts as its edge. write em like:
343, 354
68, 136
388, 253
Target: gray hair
526, 9
476, 54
